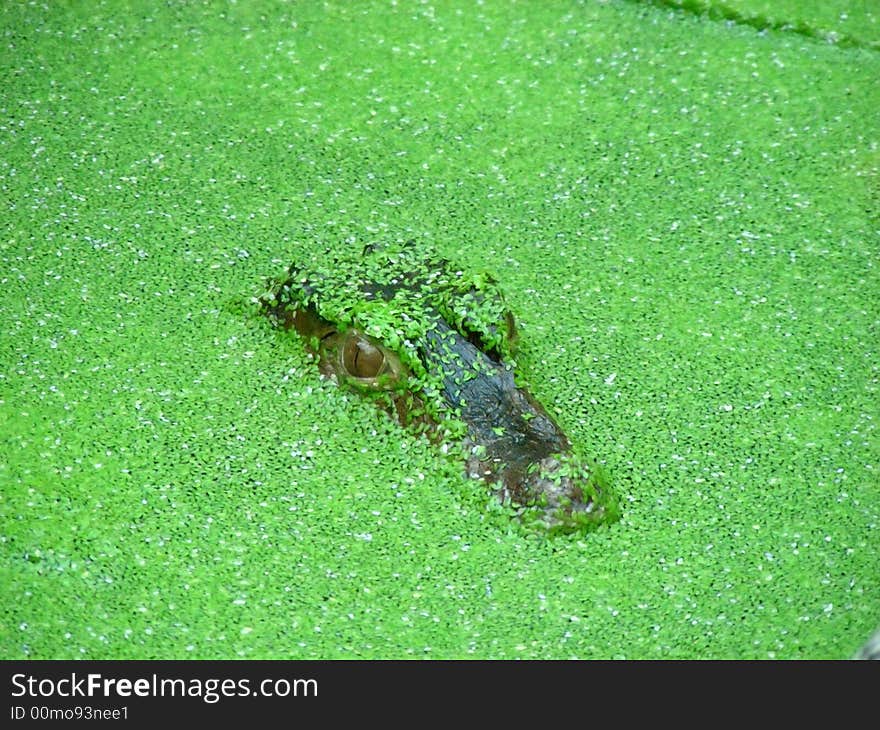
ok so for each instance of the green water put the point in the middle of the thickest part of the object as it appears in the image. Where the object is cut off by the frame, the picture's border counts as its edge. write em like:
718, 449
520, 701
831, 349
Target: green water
682, 212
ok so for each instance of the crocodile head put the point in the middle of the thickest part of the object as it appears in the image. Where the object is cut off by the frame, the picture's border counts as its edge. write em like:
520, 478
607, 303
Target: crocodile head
434, 346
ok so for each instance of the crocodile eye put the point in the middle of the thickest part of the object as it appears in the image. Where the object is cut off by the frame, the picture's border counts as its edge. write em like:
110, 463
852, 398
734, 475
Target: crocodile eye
364, 362
362, 359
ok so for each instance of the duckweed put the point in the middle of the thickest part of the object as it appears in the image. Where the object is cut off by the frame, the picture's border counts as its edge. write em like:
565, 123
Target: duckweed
680, 209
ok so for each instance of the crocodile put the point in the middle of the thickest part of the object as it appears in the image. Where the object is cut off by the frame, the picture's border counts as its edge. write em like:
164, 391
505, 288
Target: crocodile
434, 346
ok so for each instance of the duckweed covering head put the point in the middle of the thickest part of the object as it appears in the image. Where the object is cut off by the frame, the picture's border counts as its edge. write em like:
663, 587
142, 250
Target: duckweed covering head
397, 294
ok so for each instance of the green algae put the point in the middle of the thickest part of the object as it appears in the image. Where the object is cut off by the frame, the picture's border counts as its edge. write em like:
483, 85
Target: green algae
681, 211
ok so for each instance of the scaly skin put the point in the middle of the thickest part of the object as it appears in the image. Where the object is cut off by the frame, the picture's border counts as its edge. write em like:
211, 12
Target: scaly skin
434, 347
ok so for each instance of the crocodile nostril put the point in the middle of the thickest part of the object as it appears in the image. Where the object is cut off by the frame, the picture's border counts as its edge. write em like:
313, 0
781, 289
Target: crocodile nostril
361, 359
